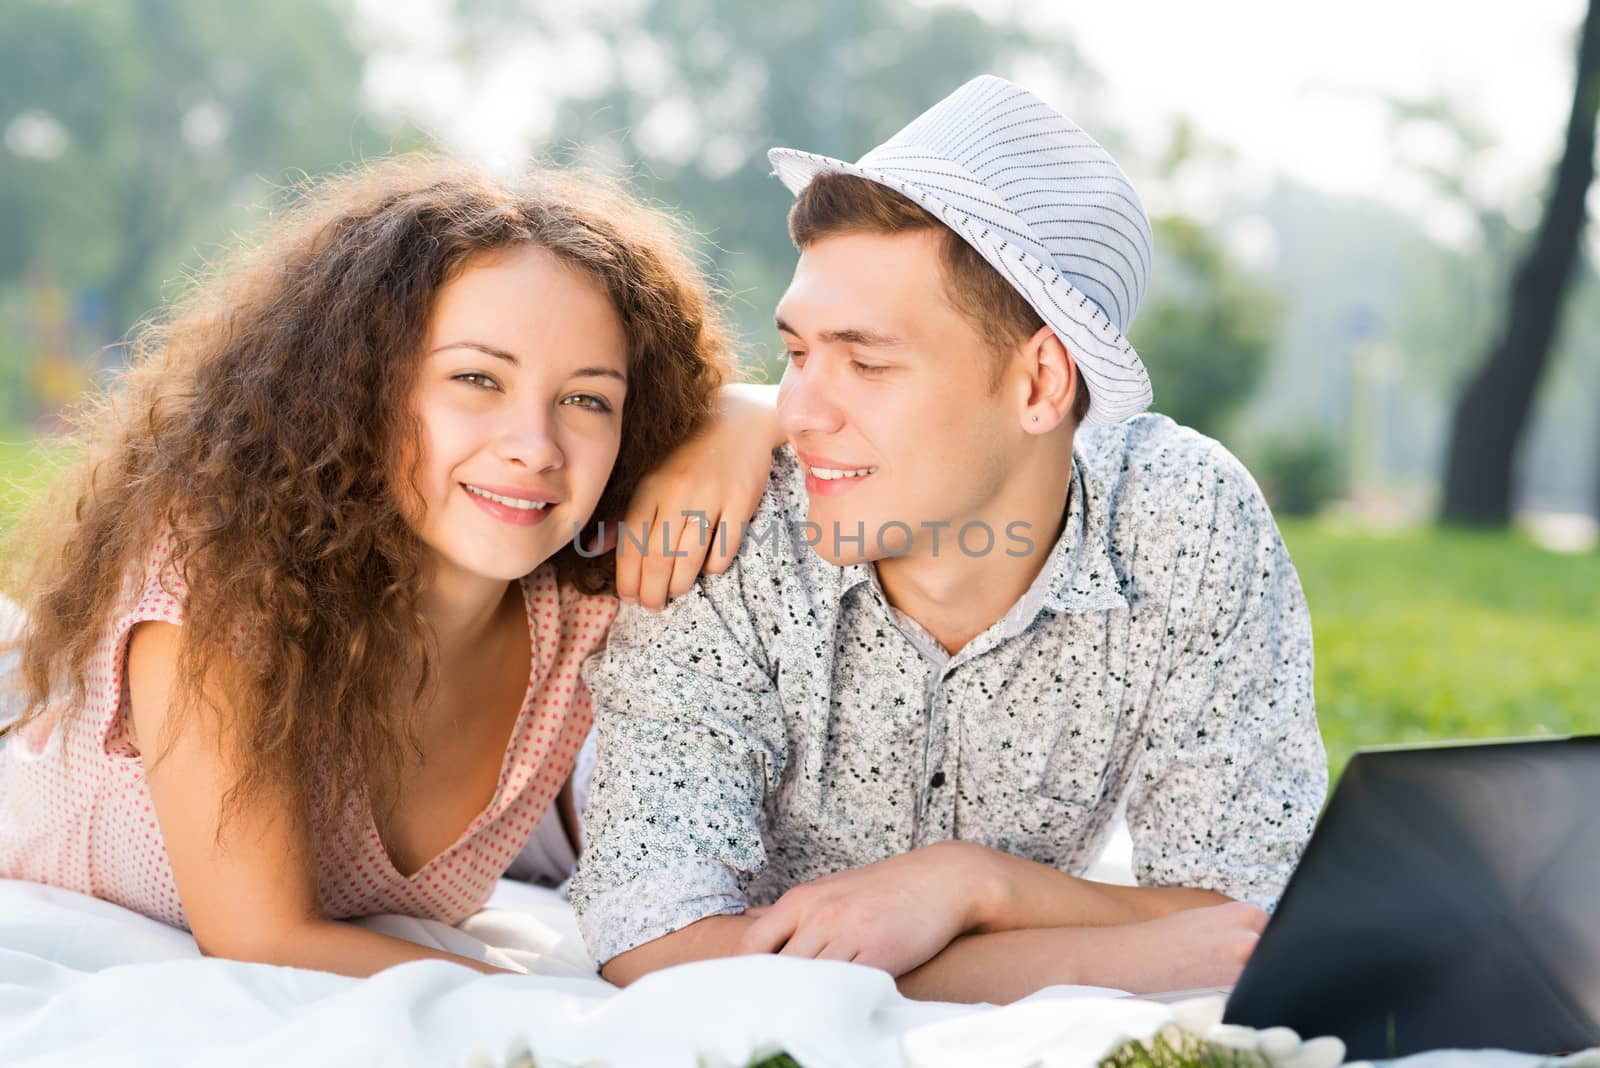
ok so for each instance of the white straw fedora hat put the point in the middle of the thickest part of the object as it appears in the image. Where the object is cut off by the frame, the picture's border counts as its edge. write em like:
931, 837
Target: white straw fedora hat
1044, 204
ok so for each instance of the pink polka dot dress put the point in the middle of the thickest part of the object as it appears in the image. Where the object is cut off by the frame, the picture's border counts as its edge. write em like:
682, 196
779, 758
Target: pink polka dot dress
75, 810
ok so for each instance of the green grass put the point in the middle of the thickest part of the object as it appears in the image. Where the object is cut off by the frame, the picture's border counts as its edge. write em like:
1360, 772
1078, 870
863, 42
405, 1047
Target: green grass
1423, 635
26, 466
1430, 635
1175, 1048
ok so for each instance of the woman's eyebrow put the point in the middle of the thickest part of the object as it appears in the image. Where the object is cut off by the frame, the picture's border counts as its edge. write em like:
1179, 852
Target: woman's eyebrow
492, 350
487, 350
600, 372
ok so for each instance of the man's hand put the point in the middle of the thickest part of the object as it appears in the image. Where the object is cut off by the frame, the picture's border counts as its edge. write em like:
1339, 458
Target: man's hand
895, 915
1187, 950
1194, 948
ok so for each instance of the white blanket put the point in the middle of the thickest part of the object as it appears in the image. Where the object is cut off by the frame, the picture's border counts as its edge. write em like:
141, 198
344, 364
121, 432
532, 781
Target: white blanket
85, 982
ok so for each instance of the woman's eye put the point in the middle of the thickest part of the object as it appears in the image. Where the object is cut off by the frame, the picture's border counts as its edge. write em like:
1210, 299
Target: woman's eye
589, 401
868, 368
793, 355
476, 378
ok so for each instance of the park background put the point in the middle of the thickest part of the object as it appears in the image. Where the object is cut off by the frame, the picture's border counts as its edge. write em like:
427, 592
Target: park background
1343, 195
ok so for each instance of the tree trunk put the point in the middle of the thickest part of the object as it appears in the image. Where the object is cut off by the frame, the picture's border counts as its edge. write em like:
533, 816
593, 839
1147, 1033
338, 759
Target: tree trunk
1493, 410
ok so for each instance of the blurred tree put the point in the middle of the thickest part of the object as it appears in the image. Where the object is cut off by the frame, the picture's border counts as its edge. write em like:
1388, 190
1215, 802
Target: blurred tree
1493, 410
700, 88
135, 132
1205, 332
1207, 325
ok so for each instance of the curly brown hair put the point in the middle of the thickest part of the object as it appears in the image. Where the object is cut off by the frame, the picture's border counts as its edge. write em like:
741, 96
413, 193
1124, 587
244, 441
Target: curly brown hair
254, 426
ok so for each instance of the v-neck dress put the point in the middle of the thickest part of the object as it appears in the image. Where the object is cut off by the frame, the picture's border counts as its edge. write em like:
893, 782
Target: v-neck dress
75, 808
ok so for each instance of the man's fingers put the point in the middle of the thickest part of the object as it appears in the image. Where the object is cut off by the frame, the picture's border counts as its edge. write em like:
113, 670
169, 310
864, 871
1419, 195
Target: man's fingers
807, 942
837, 950
768, 934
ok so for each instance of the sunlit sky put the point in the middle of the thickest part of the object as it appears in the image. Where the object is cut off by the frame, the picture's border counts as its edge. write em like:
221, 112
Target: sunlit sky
1292, 89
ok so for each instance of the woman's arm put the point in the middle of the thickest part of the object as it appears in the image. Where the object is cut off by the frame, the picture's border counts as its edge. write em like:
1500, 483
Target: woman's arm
720, 475
248, 886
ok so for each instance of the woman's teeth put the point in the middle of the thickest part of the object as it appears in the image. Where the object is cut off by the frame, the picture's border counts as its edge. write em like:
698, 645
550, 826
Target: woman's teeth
828, 473
509, 502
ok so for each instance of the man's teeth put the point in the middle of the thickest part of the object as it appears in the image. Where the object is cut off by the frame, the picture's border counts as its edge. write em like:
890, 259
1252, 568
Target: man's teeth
828, 473
509, 502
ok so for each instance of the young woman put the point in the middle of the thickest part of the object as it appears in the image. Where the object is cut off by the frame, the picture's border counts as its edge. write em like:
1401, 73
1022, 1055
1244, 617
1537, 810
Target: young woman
306, 646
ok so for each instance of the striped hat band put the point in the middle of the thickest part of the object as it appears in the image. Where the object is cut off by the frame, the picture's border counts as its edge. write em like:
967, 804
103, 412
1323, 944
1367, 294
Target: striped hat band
1043, 203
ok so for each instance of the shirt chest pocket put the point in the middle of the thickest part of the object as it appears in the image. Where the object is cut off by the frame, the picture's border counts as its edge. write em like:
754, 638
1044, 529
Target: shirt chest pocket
1085, 722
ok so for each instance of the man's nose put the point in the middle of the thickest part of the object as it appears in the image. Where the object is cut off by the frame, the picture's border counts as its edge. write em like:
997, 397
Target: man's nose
806, 400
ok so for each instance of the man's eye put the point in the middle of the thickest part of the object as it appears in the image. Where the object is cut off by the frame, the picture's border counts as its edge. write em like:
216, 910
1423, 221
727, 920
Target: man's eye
476, 378
868, 368
793, 355
589, 401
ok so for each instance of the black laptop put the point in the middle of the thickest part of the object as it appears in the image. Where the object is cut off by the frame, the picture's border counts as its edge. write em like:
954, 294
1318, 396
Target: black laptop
1450, 898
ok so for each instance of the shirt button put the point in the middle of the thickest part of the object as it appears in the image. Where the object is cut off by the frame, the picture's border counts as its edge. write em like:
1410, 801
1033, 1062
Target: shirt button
937, 780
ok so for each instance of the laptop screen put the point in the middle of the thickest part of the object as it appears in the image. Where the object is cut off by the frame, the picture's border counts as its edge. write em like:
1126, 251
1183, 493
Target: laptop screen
1449, 898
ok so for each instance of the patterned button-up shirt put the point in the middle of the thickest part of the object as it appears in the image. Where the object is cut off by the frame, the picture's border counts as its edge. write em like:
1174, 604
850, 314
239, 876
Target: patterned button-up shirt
783, 721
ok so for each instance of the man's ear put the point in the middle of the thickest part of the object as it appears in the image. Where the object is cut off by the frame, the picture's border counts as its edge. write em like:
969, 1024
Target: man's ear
1052, 382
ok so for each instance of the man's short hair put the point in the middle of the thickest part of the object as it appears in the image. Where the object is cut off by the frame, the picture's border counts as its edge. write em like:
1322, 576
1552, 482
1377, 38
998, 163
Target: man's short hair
833, 204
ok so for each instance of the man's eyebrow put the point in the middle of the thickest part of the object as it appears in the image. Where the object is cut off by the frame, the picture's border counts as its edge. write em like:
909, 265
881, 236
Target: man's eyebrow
487, 350
847, 336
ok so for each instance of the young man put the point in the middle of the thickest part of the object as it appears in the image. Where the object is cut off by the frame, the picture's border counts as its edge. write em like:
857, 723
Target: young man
961, 629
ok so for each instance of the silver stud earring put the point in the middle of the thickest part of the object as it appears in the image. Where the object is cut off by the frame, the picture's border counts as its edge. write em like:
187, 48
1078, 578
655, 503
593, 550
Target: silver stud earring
1036, 419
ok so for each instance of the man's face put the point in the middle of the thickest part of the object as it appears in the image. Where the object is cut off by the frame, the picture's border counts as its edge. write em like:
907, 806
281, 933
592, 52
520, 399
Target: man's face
890, 402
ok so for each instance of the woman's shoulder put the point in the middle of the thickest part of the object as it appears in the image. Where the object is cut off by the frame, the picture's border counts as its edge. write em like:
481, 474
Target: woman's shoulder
581, 618
154, 587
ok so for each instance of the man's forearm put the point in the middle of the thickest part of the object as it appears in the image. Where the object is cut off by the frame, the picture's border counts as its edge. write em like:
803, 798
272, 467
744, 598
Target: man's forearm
1195, 948
714, 936
1022, 894
1006, 965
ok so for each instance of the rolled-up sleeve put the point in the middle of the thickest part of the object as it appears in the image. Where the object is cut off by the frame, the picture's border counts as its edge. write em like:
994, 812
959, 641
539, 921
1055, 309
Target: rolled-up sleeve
689, 741
1234, 773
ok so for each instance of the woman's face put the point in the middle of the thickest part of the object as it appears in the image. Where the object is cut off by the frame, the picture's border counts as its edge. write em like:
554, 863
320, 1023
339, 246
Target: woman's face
519, 396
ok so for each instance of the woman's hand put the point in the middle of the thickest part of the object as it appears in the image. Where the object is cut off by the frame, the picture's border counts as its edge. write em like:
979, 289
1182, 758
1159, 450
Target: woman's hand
689, 513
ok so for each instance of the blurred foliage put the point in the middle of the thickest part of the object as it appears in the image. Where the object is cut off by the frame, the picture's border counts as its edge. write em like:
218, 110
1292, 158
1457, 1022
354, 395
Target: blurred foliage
141, 134
1299, 472
1204, 334
701, 88
1433, 634
138, 132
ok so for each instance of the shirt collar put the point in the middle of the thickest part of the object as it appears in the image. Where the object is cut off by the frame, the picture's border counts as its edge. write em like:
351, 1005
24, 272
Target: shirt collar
1081, 577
